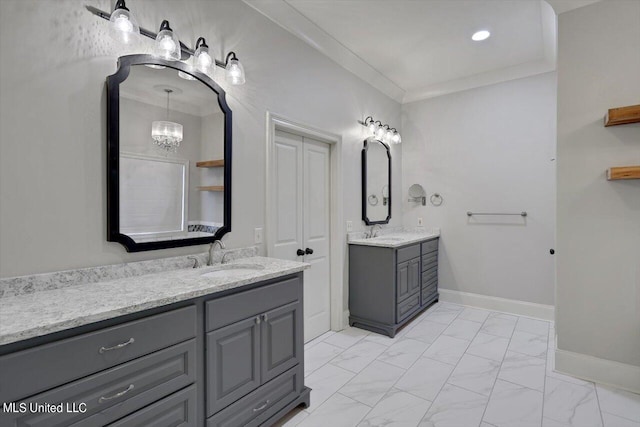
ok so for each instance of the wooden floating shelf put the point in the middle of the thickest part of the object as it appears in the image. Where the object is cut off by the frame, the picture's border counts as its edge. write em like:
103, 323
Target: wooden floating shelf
622, 115
212, 188
210, 164
624, 172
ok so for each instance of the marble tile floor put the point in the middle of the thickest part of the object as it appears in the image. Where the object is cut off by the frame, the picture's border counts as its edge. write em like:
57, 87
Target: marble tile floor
453, 366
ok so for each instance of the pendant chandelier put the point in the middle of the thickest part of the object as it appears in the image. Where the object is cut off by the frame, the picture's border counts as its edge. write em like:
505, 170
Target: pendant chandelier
166, 134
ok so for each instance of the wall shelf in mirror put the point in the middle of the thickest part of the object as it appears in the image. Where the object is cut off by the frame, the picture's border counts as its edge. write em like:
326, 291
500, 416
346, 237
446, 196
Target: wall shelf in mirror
622, 115
624, 172
210, 164
212, 188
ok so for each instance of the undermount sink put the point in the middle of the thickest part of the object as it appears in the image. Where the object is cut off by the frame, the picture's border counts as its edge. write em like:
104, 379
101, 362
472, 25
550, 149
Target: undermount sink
233, 270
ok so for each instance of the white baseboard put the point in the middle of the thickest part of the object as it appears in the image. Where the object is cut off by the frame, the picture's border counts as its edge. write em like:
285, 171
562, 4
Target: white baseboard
609, 372
521, 308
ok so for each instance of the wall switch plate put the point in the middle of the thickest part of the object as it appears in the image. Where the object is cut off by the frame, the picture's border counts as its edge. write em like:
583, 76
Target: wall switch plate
349, 226
257, 235
419, 222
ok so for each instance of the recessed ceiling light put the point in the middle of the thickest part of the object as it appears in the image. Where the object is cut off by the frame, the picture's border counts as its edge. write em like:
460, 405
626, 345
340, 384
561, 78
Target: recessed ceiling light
480, 35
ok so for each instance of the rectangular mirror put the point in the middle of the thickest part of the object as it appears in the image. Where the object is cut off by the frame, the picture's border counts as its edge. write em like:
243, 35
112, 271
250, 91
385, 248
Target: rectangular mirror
169, 156
376, 182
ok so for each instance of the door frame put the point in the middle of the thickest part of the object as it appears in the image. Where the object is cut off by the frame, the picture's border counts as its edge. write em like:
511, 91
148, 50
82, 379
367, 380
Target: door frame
338, 313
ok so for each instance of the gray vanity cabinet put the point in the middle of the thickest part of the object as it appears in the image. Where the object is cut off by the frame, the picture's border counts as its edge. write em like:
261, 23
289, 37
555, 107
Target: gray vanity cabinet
388, 286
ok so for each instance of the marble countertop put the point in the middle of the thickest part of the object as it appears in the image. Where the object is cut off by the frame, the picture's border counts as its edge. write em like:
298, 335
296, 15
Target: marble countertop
395, 240
40, 313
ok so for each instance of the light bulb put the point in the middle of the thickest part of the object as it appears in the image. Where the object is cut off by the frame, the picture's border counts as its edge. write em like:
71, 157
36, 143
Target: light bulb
388, 135
395, 139
234, 70
123, 24
372, 128
167, 44
478, 36
380, 133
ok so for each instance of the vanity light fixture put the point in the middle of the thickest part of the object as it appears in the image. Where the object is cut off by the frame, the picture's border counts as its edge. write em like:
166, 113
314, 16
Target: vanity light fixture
166, 134
383, 133
478, 36
124, 26
169, 47
234, 71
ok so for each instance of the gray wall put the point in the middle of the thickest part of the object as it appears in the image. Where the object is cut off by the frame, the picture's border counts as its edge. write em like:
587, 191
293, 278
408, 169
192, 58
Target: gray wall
598, 288
487, 150
55, 58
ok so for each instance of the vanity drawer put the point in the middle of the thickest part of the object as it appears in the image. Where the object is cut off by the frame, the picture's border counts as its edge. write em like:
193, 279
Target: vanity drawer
116, 392
430, 274
31, 371
179, 409
408, 307
429, 260
430, 246
429, 290
410, 252
259, 405
233, 308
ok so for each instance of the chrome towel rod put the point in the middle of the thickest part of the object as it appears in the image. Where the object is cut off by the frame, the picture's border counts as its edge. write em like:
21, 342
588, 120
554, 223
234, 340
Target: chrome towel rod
523, 213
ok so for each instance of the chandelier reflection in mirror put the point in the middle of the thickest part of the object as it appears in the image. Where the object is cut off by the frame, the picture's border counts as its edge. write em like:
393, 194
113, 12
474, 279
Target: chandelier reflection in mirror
125, 29
167, 134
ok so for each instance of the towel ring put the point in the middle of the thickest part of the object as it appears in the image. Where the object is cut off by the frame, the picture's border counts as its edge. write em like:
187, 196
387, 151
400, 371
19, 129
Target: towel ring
436, 199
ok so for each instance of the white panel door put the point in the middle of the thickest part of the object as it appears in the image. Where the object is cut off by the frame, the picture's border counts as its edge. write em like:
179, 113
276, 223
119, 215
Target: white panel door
316, 192
302, 214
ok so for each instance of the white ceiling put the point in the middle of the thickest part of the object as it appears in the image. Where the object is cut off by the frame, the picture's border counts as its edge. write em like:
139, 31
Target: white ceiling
417, 49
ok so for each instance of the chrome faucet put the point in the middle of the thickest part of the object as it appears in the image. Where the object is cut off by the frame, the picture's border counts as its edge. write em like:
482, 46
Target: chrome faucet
224, 256
219, 243
196, 262
373, 228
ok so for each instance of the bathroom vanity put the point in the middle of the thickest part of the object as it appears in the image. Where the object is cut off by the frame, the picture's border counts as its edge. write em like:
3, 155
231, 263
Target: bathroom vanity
189, 347
392, 278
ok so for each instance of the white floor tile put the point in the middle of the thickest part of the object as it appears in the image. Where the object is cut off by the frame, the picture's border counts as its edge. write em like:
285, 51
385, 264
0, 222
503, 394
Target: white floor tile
403, 353
370, 385
324, 382
455, 407
501, 325
318, 339
358, 356
462, 329
571, 404
381, 339
527, 371
425, 378
448, 306
346, 337
319, 355
530, 344
619, 402
533, 326
474, 314
446, 349
475, 374
611, 420
489, 346
512, 405
397, 409
426, 331
337, 411
557, 375
445, 317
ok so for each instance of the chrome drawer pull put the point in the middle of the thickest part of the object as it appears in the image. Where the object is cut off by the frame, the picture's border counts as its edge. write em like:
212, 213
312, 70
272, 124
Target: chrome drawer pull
260, 408
120, 394
116, 347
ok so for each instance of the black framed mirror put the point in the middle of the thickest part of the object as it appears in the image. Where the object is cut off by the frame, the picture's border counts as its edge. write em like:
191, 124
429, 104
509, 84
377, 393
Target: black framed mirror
376, 182
169, 148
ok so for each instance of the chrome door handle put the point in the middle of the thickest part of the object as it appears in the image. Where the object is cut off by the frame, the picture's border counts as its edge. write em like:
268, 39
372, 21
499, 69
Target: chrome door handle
116, 347
115, 396
260, 408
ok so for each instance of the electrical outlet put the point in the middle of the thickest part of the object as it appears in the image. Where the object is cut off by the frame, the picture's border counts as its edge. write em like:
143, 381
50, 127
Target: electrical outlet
257, 236
419, 222
349, 226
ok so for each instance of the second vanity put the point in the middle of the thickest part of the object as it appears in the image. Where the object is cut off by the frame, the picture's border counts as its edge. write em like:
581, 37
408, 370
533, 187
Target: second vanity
392, 278
215, 346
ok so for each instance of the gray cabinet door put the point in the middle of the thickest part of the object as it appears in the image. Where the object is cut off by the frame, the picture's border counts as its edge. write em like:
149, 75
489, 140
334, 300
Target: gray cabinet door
414, 276
281, 340
402, 281
233, 363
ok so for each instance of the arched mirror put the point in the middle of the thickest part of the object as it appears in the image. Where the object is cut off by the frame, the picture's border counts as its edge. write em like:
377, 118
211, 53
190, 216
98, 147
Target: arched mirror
376, 182
169, 156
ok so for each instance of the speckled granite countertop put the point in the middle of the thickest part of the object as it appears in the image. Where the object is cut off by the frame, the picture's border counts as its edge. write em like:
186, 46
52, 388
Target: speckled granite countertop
395, 240
40, 313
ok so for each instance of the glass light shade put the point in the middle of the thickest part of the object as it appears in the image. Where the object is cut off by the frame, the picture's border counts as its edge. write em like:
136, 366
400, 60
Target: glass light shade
395, 139
388, 134
124, 27
235, 72
167, 45
372, 128
202, 60
187, 76
380, 131
166, 135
